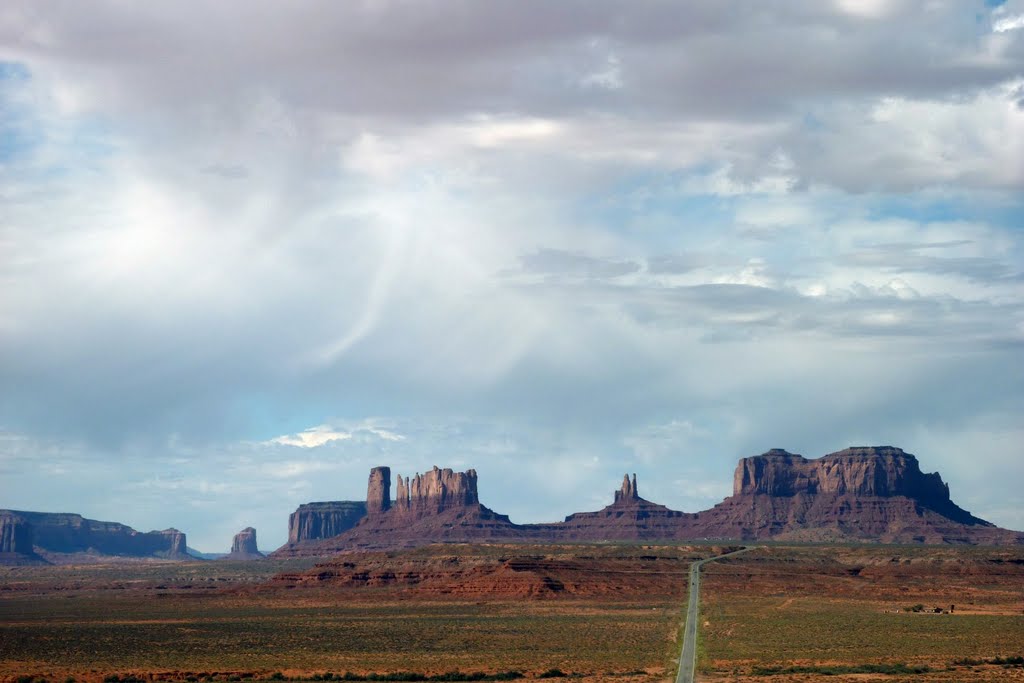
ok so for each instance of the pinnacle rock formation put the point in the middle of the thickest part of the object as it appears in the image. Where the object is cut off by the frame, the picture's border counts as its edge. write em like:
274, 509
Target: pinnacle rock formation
628, 492
243, 546
378, 491
629, 517
436, 491
438, 505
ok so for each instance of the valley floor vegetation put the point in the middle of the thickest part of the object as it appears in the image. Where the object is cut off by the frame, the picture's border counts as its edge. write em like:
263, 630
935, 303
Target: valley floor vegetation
219, 621
881, 612
492, 613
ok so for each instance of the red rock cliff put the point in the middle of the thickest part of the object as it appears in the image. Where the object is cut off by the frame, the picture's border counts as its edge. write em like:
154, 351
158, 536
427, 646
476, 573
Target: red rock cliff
65, 533
628, 491
243, 546
436, 491
874, 472
378, 491
15, 534
314, 521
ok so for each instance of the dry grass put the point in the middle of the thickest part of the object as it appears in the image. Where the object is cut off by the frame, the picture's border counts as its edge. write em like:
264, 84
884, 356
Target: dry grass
832, 612
198, 619
776, 614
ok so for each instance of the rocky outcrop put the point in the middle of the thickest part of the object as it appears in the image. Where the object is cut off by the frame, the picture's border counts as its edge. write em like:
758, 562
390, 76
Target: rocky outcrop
316, 521
629, 517
16, 546
628, 492
881, 471
243, 546
513, 572
876, 494
859, 472
15, 534
176, 544
436, 506
55, 535
378, 491
858, 494
436, 491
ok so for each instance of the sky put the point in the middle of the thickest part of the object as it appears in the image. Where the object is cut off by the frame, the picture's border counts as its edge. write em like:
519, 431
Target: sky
250, 250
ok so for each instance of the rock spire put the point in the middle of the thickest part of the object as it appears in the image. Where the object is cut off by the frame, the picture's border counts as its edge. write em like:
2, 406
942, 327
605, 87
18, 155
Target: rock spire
435, 491
628, 491
378, 491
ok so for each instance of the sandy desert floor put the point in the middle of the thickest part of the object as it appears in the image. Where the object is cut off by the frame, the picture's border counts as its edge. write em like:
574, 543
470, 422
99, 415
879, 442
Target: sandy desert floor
590, 612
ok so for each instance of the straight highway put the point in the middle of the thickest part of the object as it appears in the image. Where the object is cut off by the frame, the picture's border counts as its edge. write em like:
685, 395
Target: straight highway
688, 657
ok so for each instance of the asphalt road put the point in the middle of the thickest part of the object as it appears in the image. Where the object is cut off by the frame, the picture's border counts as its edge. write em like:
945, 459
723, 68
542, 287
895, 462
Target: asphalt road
688, 657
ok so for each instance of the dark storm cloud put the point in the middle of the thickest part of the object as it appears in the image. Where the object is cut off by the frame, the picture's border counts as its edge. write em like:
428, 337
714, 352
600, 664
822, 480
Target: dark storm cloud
415, 60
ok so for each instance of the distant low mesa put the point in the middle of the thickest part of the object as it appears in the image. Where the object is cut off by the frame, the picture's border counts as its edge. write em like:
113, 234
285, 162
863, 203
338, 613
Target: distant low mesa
58, 537
861, 495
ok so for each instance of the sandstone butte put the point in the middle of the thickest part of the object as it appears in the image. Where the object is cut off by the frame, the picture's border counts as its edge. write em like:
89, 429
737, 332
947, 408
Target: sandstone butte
243, 546
863, 494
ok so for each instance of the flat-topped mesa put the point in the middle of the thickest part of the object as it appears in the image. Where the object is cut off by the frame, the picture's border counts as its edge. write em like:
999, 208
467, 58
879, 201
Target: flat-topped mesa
880, 472
628, 492
436, 491
378, 491
60, 534
315, 521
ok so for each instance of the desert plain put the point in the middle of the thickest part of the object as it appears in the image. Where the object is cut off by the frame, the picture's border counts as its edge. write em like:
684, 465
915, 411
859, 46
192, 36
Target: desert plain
594, 612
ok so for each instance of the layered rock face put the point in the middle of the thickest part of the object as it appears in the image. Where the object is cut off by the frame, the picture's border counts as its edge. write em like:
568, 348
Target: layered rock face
176, 543
882, 471
436, 491
436, 506
15, 534
16, 546
628, 492
59, 534
511, 573
378, 491
874, 494
243, 546
316, 521
629, 517
860, 472
877, 493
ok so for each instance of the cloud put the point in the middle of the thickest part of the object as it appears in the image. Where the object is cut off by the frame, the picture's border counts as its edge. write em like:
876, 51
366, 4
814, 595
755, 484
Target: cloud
1011, 23
312, 437
563, 263
515, 236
